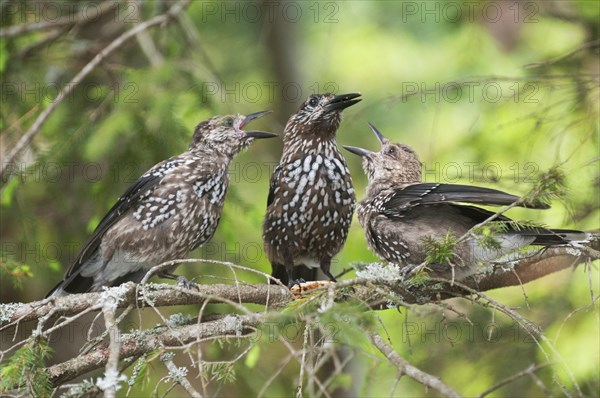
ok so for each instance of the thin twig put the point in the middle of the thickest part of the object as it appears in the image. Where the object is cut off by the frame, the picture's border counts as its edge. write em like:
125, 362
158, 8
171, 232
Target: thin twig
182, 381
160, 295
67, 20
35, 128
585, 46
146, 43
410, 370
529, 371
132, 345
111, 372
302, 363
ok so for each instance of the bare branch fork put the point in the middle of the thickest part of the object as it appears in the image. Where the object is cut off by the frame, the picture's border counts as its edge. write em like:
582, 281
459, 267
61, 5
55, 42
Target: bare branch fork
25, 140
64, 310
67, 20
111, 377
404, 367
160, 295
132, 346
274, 295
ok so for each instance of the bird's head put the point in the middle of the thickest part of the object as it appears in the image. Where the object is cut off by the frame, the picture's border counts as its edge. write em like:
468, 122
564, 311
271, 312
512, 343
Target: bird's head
225, 134
394, 163
320, 115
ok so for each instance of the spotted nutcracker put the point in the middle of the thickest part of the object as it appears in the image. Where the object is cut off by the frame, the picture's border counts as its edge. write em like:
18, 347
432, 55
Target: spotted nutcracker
400, 213
311, 198
169, 211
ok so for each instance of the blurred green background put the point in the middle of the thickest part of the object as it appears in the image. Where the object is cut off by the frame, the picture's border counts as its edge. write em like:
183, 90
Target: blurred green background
488, 93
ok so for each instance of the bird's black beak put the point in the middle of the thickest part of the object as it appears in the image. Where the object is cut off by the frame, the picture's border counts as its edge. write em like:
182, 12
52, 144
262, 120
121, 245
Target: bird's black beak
358, 151
256, 133
342, 101
382, 140
259, 134
254, 116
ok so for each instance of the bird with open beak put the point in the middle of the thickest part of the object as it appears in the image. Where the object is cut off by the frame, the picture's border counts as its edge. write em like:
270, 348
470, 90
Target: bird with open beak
401, 214
311, 198
169, 211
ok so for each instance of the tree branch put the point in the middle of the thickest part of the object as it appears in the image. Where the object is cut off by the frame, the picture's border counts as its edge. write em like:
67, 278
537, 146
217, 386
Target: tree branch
160, 295
25, 140
273, 296
530, 371
111, 374
182, 381
134, 344
67, 20
411, 371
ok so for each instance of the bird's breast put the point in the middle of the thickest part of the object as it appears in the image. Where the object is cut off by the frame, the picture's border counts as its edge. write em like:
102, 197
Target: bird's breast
313, 204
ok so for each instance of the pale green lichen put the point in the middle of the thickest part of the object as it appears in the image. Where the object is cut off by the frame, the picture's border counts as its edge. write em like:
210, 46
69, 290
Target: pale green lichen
177, 373
231, 322
179, 319
83, 389
138, 369
379, 271
167, 356
7, 311
112, 380
112, 296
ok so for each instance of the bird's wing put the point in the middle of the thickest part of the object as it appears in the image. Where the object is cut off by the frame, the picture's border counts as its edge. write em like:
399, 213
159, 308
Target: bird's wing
132, 196
273, 185
478, 215
413, 195
543, 236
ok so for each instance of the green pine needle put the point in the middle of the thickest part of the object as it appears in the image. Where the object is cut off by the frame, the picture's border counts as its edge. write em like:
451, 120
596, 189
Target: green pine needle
487, 233
550, 185
440, 252
26, 369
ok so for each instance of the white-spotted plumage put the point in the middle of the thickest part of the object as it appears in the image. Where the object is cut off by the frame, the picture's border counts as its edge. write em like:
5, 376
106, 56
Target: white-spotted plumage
169, 211
401, 214
311, 199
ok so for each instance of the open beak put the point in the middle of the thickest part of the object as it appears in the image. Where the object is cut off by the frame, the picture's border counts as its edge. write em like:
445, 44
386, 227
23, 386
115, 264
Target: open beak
254, 116
342, 101
358, 151
255, 133
365, 152
259, 134
382, 140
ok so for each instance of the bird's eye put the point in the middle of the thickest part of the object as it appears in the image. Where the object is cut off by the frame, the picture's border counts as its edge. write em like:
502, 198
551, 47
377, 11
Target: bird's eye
228, 122
391, 151
313, 102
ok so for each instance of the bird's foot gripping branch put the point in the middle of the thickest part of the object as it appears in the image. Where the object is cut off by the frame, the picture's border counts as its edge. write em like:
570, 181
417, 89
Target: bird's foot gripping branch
331, 313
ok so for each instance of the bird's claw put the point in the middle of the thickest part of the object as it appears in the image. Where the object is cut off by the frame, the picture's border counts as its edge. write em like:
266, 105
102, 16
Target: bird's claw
295, 282
185, 283
298, 289
408, 271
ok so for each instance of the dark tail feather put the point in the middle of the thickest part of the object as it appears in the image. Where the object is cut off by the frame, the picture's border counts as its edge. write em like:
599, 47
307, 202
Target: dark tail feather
80, 284
300, 271
278, 272
74, 284
554, 237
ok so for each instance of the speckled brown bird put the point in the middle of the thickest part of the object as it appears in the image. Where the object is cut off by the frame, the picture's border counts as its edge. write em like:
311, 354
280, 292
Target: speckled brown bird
400, 213
311, 198
169, 211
